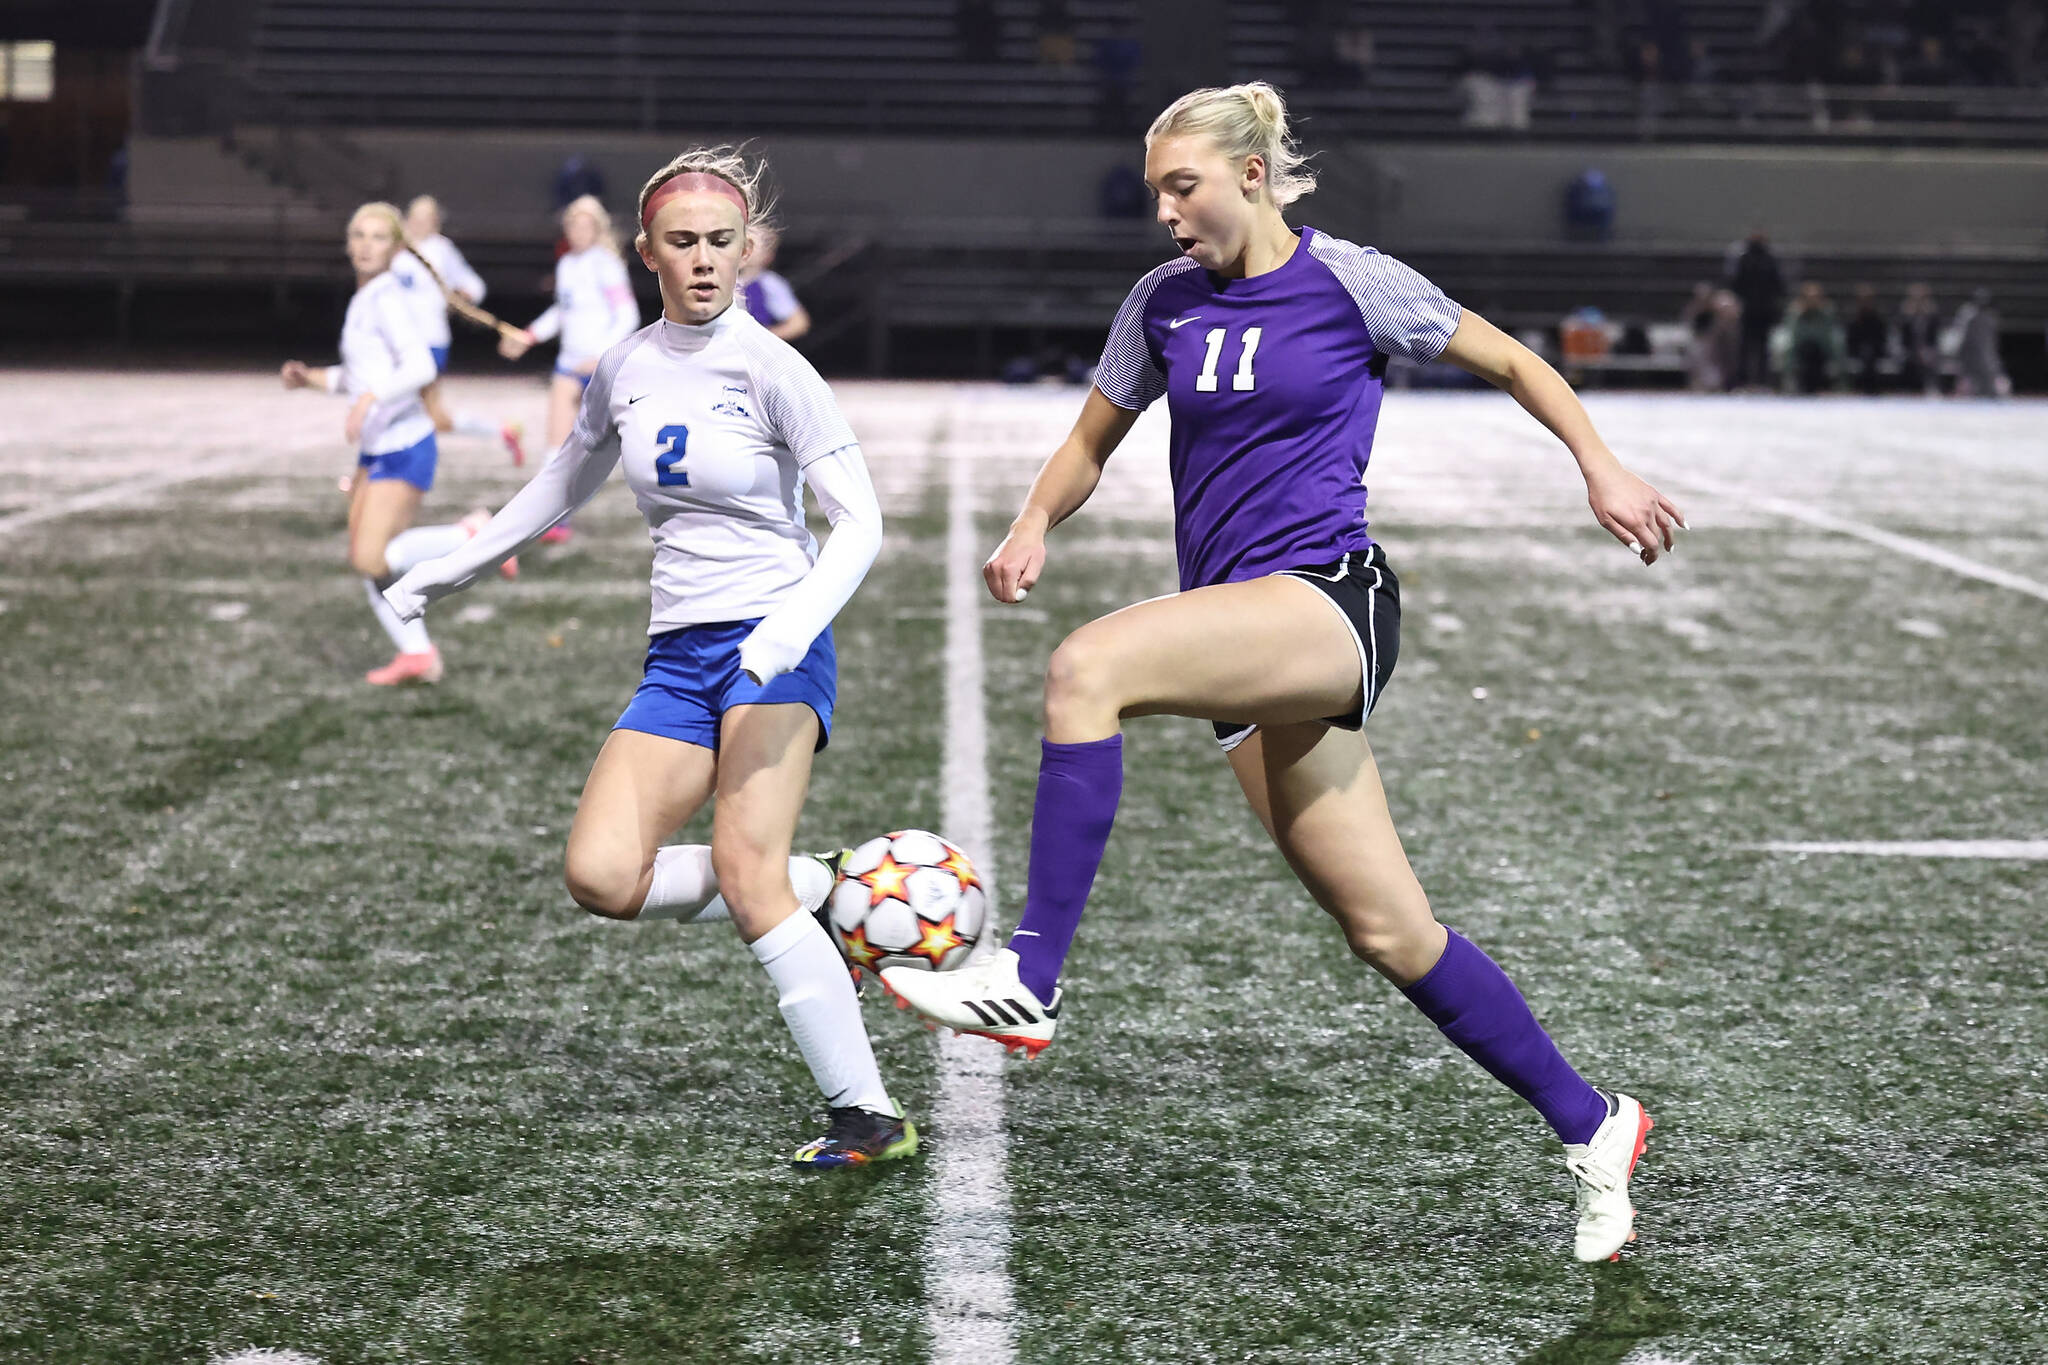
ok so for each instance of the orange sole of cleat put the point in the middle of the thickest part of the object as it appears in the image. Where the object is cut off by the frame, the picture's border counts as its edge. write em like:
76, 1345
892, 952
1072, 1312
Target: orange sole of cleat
1642, 1145
1030, 1047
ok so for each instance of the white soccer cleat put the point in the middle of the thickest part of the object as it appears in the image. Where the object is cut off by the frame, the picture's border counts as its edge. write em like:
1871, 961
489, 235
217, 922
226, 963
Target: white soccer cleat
984, 998
1601, 1169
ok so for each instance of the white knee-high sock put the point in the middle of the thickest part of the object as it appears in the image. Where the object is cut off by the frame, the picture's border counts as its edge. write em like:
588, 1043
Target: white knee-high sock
823, 1013
409, 636
685, 888
469, 424
406, 549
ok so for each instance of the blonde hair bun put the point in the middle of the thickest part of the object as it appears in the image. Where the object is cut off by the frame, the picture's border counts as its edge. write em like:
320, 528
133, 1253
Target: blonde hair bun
1242, 121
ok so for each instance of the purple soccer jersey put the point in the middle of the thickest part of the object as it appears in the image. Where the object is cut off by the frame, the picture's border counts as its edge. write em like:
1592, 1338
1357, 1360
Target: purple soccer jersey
1274, 386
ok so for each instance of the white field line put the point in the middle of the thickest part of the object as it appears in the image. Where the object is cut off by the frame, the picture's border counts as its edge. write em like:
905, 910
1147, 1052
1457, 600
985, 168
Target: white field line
126, 492
2023, 850
1828, 521
967, 1262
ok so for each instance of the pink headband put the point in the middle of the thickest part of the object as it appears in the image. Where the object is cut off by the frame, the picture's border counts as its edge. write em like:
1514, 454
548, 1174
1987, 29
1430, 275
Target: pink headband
691, 182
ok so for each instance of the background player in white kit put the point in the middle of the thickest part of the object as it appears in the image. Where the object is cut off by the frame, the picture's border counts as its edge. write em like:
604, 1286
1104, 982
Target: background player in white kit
385, 363
593, 308
435, 275
718, 425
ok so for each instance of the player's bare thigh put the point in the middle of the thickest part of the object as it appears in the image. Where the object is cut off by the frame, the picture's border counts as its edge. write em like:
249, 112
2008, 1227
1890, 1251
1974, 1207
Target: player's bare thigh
764, 772
1269, 650
378, 509
640, 790
565, 395
1317, 791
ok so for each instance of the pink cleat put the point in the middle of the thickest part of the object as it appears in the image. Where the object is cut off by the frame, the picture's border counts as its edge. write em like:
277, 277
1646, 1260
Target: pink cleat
513, 434
557, 534
423, 667
474, 521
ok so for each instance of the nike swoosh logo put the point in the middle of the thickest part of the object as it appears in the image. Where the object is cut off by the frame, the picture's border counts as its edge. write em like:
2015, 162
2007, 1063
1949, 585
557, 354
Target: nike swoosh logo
1180, 321
631, 401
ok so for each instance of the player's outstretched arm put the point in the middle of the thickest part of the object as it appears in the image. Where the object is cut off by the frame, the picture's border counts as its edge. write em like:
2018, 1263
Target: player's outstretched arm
1633, 512
847, 497
567, 481
1062, 485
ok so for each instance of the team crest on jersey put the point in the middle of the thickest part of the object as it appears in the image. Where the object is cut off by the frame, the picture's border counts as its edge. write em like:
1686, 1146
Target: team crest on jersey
731, 402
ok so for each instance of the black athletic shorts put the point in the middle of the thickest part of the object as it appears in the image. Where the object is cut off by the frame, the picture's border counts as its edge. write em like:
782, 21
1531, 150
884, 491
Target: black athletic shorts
1368, 596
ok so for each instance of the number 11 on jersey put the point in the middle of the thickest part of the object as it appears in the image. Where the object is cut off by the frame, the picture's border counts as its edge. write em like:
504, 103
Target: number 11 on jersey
1242, 381
670, 455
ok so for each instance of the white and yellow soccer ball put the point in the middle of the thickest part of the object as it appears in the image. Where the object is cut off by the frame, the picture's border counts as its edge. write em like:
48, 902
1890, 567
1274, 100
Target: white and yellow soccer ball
908, 899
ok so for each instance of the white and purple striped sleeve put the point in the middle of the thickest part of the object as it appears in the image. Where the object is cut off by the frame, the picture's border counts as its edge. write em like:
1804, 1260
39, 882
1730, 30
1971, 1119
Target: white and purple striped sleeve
1128, 375
1405, 313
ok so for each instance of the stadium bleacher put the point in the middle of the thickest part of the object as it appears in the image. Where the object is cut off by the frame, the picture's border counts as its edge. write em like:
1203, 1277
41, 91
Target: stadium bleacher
277, 144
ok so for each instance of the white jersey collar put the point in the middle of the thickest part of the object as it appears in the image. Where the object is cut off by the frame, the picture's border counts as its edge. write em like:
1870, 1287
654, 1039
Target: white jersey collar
688, 338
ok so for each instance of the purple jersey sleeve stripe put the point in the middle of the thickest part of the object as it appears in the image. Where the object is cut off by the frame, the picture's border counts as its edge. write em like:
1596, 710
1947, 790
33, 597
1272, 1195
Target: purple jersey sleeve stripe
1404, 312
1128, 375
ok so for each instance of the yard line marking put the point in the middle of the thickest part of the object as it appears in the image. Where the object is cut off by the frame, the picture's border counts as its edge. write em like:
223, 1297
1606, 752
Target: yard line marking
1828, 521
967, 1262
2024, 850
126, 492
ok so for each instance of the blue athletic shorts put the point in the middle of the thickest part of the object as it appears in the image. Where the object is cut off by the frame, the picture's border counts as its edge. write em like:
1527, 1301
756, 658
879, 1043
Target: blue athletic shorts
567, 373
440, 354
693, 678
414, 464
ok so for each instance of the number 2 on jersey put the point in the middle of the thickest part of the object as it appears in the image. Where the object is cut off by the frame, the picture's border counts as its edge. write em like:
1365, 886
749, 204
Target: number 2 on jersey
1242, 381
665, 472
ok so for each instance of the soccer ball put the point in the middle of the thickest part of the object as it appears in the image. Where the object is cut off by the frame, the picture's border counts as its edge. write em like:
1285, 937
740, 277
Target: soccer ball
908, 899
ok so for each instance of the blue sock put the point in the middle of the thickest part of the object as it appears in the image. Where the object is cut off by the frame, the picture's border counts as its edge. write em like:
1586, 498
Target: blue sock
1079, 786
1470, 998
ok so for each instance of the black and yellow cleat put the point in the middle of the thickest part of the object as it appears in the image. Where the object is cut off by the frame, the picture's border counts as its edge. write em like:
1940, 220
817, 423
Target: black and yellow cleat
855, 1137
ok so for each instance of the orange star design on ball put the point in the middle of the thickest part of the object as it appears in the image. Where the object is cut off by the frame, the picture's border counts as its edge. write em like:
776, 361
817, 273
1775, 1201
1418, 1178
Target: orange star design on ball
957, 864
887, 880
859, 951
938, 940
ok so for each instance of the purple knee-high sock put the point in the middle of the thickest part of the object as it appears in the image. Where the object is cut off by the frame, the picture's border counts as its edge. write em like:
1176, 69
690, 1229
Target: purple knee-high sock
1078, 788
1470, 998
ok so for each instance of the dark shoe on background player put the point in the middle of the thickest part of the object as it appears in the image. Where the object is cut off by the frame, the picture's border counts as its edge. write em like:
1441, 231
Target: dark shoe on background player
855, 1137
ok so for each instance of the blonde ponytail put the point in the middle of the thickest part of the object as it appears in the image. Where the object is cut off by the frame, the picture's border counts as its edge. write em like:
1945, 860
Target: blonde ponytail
1242, 121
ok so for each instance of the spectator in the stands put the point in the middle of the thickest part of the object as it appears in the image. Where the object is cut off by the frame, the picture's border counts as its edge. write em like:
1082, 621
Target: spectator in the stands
1854, 65
577, 178
979, 29
1498, 82
1665, 24
1116, 60
1355, 53
1121, 193
1314, 24
1816, 340
1758, 283
1702, 68
1918, 326
1057, 45
1929, 64
1869, 340
1980, 370
1714, 345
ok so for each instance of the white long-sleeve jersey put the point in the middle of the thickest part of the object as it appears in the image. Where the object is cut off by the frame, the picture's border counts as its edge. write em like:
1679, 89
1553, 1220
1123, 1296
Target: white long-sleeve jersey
717, 426
383, 352
429, 304
594, 306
